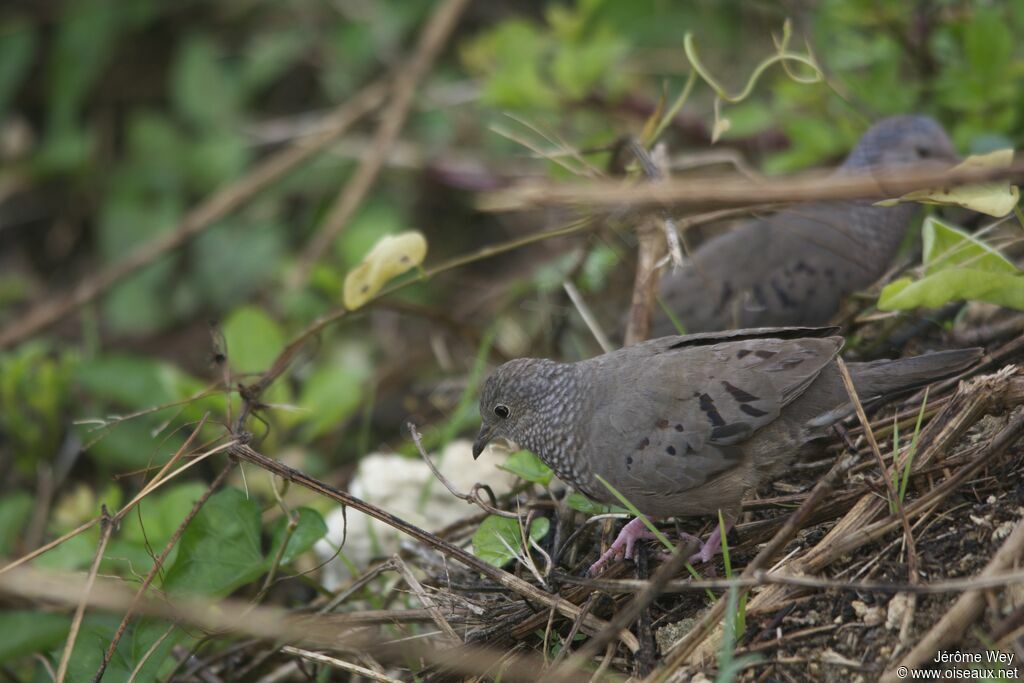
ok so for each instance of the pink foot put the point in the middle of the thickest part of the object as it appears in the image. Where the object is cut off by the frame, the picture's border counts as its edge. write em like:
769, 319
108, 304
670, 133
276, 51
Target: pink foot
710, 548
635, 531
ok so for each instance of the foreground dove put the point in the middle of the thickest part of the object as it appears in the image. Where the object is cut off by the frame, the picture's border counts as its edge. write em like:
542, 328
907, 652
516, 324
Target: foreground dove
796, 266
686, 425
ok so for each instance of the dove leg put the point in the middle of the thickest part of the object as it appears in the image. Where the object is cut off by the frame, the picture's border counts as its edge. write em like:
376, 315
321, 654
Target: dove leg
634, 531
713, 545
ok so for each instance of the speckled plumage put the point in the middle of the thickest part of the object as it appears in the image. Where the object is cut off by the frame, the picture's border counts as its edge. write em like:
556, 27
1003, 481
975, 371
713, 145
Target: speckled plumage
685, 425
795, 267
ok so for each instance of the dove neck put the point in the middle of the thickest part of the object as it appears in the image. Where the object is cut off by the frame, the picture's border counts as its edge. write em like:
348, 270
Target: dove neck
555, 432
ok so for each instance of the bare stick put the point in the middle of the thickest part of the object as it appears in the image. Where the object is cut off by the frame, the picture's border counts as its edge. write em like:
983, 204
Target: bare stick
766, 578
510, 581
238, 616
426, 600
473, 497
407, 80
869, 435
338, 664
215, 207
158, 564
588, 316
726, 192
106, 528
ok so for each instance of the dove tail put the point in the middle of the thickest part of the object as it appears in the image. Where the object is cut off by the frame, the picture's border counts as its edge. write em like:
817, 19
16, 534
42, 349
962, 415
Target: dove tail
886, 376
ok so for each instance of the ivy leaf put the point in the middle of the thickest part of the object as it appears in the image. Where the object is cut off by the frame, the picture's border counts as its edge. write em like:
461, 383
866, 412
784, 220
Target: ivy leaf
955, 284
996, 198
528, 467
580, 503
390, 257
498, 539
945, 246
957, 266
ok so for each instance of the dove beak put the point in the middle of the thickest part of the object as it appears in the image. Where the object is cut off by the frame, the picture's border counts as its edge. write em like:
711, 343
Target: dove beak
482, 439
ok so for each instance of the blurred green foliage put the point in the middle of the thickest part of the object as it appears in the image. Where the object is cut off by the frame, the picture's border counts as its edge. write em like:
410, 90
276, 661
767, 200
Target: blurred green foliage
137, 111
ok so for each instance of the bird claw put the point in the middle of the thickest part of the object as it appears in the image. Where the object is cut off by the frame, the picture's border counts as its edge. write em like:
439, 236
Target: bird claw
625, 543
636, 530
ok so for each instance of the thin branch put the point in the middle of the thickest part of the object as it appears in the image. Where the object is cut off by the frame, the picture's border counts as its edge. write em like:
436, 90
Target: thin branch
869, 435
158, 564
473, 497
407, 80
410, 579
214, 208
735, 192
239, 616
106, 528
510, 581
333, 662
769, 578
588, 316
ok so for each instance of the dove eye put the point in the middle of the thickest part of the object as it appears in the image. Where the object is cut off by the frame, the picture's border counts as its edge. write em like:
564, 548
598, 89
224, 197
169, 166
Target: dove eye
502, 411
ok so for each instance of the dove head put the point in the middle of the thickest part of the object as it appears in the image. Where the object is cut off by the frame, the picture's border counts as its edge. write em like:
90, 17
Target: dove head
534, 403
902, 140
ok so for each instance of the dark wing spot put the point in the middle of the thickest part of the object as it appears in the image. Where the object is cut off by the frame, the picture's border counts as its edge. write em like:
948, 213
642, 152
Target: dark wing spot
758, 294
761, 353
644, 443
802, 267
739, 394
731, 431
662, 423
679, 427
752, 411
726, 294
707, 404
784, 298
743, 353
671, 450
629, 461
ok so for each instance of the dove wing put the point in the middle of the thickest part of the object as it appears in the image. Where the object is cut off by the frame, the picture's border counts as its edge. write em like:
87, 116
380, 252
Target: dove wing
680, 410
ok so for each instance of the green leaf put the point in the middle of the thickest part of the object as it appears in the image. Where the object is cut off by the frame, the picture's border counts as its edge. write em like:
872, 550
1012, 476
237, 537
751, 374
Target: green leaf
945, 246
16, 48
15, 508
988, 46
528, 467
203, 90
331, 394
220, 549
27, 631
957, 266
996, 198
954, 284
310, 529
254, 339
580, 503
268, 55
134, 381
498, 539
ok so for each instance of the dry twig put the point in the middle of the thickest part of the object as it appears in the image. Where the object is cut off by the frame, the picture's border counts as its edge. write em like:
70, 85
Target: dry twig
407, 79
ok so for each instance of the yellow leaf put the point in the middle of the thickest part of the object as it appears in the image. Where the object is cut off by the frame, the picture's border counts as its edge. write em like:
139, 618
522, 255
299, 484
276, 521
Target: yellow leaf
390, 257
996, 198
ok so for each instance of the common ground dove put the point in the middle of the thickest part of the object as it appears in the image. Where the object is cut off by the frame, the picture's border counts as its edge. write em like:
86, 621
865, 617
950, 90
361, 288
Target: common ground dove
795, 267
685, 425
